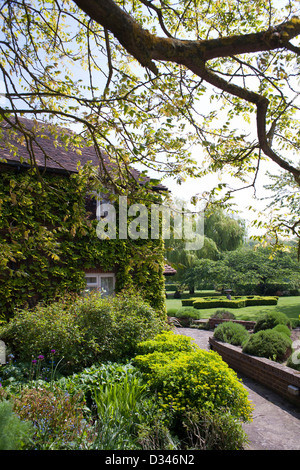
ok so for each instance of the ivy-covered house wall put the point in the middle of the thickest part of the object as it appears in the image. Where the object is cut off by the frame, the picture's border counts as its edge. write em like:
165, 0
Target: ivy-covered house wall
48, 242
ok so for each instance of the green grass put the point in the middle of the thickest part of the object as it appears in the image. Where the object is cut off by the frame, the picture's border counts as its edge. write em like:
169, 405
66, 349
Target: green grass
288, 305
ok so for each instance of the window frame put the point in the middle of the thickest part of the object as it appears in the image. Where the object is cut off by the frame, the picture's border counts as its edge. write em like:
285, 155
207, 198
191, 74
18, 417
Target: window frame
97, 285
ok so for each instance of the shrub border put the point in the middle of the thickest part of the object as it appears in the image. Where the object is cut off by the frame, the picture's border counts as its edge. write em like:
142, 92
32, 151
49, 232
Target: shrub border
235, 302
281, 379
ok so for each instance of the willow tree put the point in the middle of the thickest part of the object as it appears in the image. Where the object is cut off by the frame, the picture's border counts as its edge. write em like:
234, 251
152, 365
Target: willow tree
148, 81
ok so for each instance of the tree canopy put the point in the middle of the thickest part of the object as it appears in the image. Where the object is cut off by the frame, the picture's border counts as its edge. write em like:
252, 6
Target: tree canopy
247, 271
149, 81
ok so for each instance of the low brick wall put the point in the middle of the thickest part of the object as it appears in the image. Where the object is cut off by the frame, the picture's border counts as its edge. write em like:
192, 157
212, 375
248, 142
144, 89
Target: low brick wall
213, 322
279, 378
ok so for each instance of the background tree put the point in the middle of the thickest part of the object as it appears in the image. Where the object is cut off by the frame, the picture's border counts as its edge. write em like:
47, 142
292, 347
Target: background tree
221, 233
134, 74
248, 270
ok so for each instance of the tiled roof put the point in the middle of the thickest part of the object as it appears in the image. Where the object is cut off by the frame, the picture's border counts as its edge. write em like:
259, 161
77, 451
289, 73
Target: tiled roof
169, 271
51, 156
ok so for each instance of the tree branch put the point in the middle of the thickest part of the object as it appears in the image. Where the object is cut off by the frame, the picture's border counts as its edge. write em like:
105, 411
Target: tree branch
146, 47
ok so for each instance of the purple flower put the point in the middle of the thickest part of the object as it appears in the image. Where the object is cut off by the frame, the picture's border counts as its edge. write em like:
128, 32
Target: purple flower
53, 351
41, 357
34, 361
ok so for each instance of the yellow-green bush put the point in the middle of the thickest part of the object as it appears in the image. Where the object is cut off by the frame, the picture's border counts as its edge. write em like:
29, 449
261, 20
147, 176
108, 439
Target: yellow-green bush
193, 378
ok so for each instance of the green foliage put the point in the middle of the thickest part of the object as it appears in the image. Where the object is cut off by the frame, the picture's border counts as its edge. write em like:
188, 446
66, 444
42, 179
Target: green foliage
57, 417
284, 329
232, 333
34, 332
119, 405
269, 344
215, 303
214, 431
15, 434
167, 342
114, 326
191, 379
224, 315
248, 271
270, 320
126, 416
234, 302
188, 312
47, 241
83, 330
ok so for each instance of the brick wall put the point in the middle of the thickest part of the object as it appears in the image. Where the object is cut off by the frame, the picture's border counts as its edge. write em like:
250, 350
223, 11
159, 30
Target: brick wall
279, 378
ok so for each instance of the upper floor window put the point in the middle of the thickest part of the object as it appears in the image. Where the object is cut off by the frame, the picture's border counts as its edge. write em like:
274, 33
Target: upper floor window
93, 205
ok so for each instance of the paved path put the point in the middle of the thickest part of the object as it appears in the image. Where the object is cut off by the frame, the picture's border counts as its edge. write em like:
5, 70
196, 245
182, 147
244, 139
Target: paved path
276, 423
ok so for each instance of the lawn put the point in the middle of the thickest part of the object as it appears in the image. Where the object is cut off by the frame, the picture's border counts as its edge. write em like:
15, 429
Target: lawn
288, 305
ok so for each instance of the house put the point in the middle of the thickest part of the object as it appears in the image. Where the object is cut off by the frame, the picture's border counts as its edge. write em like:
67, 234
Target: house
49, 212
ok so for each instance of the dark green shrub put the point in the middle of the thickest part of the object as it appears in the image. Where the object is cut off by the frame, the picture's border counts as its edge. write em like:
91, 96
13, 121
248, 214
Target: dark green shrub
271, 319
232, 333
283, 329
256, 300
269, 344
187, 302
215, 303
224, 315
189, 312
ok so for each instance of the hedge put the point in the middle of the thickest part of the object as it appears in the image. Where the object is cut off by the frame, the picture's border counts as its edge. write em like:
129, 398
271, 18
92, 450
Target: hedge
235, 302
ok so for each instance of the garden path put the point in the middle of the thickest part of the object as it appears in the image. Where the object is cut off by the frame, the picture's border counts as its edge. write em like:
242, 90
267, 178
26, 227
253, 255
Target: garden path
276, 423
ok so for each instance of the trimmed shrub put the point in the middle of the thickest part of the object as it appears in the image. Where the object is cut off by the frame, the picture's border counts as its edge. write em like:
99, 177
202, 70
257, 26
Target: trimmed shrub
224, 315
269, 344
187, 302
192, 379
283, 329
167, 342
214, 303
256, 300
189, 312
232, 333
235, 302
270, 320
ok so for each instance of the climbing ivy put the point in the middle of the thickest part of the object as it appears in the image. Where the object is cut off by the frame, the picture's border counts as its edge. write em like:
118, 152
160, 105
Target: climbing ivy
47, 240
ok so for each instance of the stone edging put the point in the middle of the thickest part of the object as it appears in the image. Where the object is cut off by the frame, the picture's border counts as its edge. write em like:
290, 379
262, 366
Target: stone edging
279, 378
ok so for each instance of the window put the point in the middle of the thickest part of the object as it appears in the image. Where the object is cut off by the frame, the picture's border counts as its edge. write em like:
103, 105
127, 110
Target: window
104, 282
93, 204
